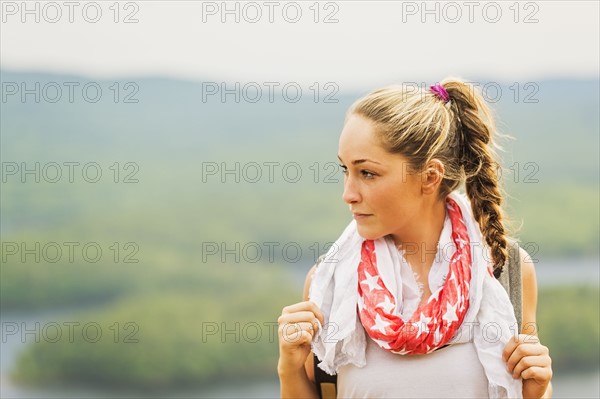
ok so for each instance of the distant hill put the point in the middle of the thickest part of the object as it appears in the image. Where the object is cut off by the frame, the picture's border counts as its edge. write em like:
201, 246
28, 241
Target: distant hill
170, 133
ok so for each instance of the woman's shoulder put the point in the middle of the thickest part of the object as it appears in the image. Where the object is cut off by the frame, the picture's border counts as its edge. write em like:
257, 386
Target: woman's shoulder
308, 280
310, 274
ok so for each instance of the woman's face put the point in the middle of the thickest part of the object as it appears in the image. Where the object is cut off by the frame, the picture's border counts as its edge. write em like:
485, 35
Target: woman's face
383, 196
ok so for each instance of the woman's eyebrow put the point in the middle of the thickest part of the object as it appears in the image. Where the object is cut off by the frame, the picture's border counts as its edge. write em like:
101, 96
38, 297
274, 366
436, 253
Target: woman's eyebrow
359, 161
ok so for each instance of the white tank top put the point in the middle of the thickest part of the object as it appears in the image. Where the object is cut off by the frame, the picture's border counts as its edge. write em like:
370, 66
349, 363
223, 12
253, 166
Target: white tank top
451, 372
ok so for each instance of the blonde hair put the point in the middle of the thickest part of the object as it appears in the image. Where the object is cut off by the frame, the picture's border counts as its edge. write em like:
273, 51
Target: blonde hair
420, 126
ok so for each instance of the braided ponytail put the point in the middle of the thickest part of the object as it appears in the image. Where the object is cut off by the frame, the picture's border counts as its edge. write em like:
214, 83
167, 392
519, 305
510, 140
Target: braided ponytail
476, 129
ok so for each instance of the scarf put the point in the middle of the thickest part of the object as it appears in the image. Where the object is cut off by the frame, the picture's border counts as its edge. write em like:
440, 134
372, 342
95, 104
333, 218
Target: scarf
435, 322
486, 312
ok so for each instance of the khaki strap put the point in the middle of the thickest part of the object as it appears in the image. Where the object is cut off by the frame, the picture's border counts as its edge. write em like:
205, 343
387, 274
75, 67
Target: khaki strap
511, 278
328, 390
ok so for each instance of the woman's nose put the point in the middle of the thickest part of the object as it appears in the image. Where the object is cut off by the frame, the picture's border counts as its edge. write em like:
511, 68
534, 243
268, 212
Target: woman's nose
351, 194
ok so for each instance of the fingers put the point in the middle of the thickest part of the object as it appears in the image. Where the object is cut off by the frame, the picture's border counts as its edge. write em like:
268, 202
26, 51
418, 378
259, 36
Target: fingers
300, 317
299, 323
523, 351
304, 306
527, 358
517, 341
532, 367
297, 333
296, 317
539, 374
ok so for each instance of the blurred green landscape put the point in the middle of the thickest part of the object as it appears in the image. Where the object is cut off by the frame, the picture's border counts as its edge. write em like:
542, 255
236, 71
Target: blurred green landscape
168, 227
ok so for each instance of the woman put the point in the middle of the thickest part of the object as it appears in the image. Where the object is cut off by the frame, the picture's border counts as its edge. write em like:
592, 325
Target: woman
405, 303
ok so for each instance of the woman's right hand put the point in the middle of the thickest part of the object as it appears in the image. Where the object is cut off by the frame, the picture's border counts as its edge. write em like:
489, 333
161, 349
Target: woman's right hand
297, 327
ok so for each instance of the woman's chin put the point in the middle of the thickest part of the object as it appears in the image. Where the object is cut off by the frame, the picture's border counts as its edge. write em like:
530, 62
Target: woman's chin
369, 234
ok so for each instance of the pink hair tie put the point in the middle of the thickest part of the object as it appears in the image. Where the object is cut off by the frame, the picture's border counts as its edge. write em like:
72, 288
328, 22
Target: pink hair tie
439, 91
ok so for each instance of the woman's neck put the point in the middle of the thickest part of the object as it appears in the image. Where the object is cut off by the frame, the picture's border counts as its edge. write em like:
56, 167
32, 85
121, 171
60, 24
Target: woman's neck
420, 241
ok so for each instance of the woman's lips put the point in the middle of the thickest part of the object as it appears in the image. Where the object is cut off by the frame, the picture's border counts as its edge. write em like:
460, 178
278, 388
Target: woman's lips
360, 216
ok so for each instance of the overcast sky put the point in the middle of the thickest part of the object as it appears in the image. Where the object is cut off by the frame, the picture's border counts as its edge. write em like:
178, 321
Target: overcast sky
364, 43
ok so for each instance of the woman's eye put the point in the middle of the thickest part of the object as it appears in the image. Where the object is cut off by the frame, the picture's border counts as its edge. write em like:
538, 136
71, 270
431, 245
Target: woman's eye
344, 169
367, 174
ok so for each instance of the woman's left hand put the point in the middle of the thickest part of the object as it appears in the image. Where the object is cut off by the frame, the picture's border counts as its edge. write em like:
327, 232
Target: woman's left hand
527, 358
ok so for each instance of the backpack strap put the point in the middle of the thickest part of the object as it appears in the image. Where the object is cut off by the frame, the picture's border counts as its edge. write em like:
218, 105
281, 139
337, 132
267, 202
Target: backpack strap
510, 278
326, 384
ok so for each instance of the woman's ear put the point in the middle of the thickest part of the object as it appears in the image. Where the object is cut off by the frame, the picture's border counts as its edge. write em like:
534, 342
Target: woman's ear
432, 176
